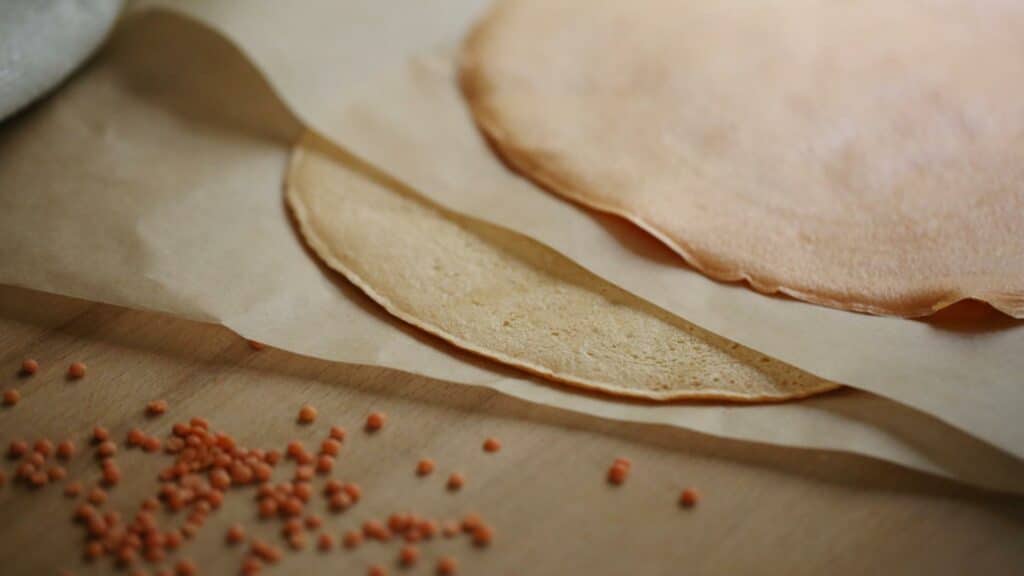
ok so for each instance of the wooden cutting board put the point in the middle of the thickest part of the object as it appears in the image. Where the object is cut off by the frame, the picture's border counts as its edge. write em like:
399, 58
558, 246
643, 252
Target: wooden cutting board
764, 510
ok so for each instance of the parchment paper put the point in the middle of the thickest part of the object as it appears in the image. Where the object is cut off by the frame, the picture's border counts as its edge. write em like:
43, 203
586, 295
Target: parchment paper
153, 180
410, 122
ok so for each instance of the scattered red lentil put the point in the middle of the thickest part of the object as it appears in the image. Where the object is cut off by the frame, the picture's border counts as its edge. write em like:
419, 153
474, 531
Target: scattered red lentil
65, 450
185, 568
619, 471
11, 397
482, 535
471, 522
156, 407
256, 345
17, 449
151, 444
324, 464
297, 541
338, 433
617, 475
689, 498
38, 479
447, 566
325, 542
56, 473
424, 466
100, 434
339, 501
307, 414
135, 437
76, 370
353, 538
456, 481
44, 447
375, 421
29, 366
330, 447
97, 496
376, 570
235, 534
492, 445
106, 449
352, 490
408, 555
450, 528
304, 473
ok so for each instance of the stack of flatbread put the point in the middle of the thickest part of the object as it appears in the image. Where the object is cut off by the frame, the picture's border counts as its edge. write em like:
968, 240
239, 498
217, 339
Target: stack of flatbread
862, 156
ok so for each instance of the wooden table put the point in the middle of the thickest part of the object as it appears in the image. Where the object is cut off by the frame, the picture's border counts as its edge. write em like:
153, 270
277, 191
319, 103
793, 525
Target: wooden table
764, 510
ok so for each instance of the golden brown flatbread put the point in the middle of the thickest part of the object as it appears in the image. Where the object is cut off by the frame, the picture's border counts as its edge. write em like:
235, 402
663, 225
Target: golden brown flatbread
511, 299
863, 155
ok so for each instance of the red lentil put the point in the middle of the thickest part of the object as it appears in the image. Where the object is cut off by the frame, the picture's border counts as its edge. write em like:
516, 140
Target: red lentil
100, 434
618, 473
304, 474
307, 414
353, 539
156, 407
65, 450
482, 535
29, 366
376, 570
352, 490
106, 449
297, 541
492, 445
325, 542
456, 481
185, 568
409, 555
235, 534
76, 370
447, 566
330, 447
17, 449
39, 479
135, 437
689, 498
339, 501
256, 345
450, 529
11, 397
324, 464
424, 466
337, 433
375, 421
97, 496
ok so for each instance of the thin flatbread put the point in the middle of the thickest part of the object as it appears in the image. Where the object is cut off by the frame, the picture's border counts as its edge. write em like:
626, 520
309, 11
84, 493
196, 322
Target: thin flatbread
865, 155
509, 298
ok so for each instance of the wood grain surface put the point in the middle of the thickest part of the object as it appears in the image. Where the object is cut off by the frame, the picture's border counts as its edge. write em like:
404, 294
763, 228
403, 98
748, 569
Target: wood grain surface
764, 510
